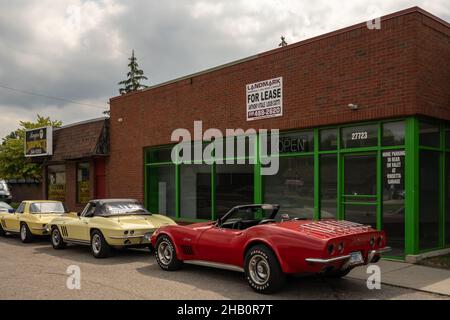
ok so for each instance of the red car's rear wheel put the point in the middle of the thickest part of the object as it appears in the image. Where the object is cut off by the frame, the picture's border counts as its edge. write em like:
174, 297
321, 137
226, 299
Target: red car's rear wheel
166, 255
263, 270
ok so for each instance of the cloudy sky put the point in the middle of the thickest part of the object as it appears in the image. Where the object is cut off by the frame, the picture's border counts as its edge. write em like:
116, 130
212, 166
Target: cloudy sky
77, 50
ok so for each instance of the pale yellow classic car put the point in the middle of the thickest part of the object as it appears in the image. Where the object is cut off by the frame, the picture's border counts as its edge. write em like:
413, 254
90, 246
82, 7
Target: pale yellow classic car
31, 219
106, 224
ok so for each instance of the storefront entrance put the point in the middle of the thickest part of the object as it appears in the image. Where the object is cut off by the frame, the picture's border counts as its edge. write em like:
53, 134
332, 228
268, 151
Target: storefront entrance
359, 198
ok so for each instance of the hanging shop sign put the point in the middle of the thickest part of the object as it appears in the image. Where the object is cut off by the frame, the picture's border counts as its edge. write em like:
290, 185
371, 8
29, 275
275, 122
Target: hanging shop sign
265, 99
393, 161
39, 142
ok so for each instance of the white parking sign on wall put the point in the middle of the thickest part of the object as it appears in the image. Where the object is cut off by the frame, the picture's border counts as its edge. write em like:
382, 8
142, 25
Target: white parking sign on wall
265, 99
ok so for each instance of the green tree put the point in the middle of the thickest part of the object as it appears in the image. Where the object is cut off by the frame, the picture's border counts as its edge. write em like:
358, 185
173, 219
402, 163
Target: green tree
135, 76
13, 164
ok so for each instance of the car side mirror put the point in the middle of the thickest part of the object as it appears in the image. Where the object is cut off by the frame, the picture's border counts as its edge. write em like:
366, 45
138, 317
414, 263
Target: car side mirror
11, 211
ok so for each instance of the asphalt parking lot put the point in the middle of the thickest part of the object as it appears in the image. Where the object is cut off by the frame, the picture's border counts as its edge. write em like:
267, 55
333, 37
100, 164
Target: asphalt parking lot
37, 271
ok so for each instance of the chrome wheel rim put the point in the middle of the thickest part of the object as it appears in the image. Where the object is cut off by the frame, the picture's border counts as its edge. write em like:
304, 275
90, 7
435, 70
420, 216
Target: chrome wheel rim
165, 252
96, 243
259, 270
56, 237
23, 232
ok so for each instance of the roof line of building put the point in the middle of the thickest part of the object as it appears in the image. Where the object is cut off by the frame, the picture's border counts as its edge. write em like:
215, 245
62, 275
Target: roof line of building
289, 47
81, 122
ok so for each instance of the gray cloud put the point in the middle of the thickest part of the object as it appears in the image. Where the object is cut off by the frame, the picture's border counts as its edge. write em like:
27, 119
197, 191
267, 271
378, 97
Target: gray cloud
78, 49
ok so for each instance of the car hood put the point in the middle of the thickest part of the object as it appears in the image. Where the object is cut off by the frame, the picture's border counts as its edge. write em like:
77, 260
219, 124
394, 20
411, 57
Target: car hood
325, 229
46, 218
140, 221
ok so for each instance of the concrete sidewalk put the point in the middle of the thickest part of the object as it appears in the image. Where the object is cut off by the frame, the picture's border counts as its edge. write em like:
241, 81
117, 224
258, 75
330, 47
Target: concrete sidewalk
410, 276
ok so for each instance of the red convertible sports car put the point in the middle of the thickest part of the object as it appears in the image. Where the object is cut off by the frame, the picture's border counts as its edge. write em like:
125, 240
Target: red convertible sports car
267, 245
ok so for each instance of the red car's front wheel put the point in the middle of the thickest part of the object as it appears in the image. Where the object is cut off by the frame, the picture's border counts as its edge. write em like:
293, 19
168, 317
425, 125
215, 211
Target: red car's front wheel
262, 270
166, 255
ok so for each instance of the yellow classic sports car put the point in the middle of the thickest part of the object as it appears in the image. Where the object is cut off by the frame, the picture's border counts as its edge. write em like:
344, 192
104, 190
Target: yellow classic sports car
31, 219
106, 224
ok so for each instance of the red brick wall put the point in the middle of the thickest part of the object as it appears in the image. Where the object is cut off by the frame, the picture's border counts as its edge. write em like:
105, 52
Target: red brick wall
383, 71
25, 191
433, 56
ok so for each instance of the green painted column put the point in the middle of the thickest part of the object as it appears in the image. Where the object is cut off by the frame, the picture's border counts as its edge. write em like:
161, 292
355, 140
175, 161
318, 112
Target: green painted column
316, 175
257, 180
442, 189
213, 192
380, 180
177, 191
412, 186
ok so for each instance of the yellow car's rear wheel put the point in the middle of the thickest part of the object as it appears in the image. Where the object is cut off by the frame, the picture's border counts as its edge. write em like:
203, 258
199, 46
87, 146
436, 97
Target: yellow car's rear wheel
99, 247
25, 234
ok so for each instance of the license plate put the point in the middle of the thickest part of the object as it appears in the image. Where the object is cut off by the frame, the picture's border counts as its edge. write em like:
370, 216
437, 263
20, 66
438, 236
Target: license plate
356, 258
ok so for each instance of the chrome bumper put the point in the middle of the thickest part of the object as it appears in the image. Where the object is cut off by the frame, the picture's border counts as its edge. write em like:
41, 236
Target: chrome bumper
126, 237
41, 229
325, 261
373, 253
370, 257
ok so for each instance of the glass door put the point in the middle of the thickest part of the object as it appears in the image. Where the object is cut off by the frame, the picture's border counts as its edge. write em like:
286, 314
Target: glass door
359, 198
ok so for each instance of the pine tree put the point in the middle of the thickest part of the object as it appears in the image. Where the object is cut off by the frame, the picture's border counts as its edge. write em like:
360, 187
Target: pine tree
135, 76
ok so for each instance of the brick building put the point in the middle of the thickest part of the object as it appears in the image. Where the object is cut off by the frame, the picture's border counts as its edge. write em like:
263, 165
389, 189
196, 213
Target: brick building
367, 110
76, 172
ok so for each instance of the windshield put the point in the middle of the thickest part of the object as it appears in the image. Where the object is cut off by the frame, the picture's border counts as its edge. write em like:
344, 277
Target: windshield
48, 207
124, 208
249, 213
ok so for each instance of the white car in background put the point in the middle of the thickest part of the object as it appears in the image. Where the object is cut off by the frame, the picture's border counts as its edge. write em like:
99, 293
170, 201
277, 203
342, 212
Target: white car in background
5, 194
6, 208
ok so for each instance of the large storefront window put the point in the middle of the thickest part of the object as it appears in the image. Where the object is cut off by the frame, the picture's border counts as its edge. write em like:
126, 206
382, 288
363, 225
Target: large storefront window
328, 139
429, 200
328, 186
161, 195
394, 133
234, 186
159, 155
56, 183
394, 199
429, 135
292, 187
195, 188
83, 183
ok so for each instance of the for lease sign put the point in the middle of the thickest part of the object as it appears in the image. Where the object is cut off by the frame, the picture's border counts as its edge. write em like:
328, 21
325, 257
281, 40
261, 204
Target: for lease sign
265, 99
